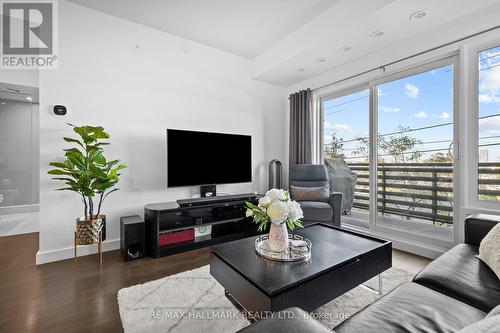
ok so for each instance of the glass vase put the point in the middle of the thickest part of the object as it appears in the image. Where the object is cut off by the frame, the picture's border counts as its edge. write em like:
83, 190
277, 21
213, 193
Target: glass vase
278, 237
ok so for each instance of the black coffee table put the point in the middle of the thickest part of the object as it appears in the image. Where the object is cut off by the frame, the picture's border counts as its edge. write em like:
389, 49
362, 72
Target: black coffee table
340, 261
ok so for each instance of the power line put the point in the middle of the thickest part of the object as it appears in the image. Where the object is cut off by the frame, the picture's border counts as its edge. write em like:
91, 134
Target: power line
421, 143
489, 144
344, 103
489, 116
405, 153
364, 97
492, 66
490, 137
419, 151
492, 56
417, 129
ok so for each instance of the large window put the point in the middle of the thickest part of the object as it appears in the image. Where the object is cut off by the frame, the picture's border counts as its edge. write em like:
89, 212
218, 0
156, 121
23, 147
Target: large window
414, 156
396, 135
489, 124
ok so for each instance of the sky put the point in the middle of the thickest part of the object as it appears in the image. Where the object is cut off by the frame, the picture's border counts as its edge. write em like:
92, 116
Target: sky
422, 100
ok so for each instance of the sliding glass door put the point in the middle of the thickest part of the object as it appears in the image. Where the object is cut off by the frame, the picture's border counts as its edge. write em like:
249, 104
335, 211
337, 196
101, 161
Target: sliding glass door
396, 135
346, 126
415, 151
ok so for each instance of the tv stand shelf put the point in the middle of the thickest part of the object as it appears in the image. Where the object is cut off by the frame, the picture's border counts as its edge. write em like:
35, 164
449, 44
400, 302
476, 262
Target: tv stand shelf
226, 218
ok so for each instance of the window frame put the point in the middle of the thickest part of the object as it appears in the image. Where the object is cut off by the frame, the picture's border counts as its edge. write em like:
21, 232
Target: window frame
471, 70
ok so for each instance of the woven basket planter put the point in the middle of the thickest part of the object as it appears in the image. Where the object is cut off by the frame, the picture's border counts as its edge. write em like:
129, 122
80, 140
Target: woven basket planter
88, 231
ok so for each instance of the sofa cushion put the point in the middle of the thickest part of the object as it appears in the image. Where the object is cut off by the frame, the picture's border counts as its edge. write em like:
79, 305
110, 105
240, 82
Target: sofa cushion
459, 274
317, 193
490, 323
489, 250
293, 320
412, 308
317, 211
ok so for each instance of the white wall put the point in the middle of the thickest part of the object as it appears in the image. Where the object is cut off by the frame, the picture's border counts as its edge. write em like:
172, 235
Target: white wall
136, 82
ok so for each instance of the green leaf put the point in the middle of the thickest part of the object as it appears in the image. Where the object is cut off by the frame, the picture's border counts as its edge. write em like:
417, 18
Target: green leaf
58, 165
58, 172
121, 166
64, 179
250, 205
72, 150
74, 141
298, 223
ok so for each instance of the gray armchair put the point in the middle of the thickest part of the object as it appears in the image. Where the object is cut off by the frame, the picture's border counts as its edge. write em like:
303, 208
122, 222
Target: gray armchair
314, 175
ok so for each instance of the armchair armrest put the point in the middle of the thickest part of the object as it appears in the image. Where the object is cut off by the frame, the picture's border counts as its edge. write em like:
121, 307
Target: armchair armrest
477, 226
335, 201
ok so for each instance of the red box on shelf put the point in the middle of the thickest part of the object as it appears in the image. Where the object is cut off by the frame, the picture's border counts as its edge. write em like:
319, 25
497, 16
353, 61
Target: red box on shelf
176, 237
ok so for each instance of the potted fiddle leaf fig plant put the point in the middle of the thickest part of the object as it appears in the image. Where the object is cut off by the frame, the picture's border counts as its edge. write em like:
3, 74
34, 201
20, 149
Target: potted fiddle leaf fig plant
86, 172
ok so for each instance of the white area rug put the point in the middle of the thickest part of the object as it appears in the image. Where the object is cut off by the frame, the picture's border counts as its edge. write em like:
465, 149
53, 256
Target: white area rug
193, 301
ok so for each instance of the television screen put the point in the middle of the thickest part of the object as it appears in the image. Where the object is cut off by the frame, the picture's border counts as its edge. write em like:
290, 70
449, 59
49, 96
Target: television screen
203, 158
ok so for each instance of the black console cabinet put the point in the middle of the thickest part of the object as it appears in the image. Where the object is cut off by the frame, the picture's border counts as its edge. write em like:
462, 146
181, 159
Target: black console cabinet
226, 218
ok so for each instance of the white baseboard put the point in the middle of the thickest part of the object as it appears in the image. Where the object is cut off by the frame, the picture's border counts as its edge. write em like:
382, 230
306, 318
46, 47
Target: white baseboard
43, 257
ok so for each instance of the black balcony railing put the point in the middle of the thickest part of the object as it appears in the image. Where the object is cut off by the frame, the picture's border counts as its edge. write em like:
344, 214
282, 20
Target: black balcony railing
420, 190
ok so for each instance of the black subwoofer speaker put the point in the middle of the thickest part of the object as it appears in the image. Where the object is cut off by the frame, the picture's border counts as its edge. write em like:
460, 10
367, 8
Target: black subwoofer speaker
132, 237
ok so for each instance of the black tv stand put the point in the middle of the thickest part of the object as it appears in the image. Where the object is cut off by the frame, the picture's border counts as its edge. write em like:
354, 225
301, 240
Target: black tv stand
225, 215
217, 199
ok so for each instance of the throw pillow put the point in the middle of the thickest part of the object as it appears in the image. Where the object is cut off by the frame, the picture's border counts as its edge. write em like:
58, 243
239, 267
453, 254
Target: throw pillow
488, 324
489, 249
319, 193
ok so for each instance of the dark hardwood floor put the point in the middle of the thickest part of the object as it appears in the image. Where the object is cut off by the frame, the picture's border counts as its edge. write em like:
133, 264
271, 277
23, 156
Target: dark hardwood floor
68, 297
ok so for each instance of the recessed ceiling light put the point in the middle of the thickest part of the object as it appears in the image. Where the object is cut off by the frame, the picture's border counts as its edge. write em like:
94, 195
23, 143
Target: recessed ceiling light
345, 48
319, 60
186, 48
377, 34
300, 69
3, 103
29, 98
419, 15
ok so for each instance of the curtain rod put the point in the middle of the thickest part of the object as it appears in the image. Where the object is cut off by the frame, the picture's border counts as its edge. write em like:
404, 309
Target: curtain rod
408, 57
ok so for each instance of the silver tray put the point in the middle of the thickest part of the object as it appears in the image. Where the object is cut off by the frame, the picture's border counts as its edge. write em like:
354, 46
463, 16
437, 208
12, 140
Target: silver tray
262, 249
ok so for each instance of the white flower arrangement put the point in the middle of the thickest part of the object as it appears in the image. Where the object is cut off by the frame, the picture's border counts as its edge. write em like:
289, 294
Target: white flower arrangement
275, 207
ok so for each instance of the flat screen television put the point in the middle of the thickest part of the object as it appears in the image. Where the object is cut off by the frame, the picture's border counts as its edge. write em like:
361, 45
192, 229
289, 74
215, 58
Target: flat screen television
204, 158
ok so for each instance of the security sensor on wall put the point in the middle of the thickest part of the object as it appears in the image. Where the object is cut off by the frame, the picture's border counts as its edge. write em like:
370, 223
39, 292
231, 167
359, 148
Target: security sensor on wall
60, 110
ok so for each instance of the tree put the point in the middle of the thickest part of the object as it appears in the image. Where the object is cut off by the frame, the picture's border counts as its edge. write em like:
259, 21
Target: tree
335, 149
398, 148
401, 147
440, 158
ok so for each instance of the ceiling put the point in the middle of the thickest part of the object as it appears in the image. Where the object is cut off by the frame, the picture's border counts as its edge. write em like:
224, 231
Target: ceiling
351, 22
242, 27
292, 40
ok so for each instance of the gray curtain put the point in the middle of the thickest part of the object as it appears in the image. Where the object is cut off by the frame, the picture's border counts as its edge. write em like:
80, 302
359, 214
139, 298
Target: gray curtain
301, 127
